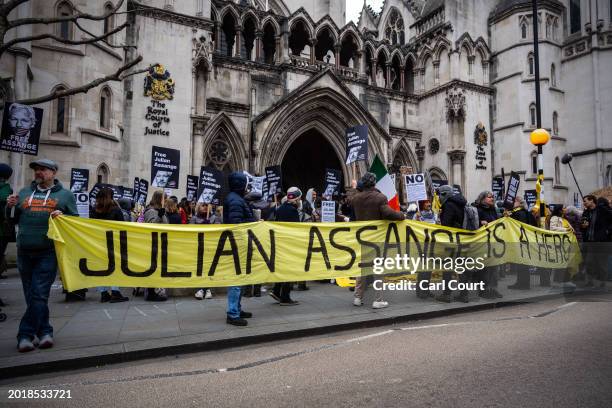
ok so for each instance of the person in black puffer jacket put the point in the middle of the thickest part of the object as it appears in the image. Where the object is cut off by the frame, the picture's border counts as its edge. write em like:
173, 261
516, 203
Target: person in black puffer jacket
287, 212
236, 211
107, 209
520, 213
451, 215
485, 203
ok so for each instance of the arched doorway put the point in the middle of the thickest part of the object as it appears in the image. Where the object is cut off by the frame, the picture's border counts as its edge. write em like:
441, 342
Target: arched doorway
305, 161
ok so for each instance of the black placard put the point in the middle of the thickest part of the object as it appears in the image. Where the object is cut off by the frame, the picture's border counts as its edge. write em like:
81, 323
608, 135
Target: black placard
165, 167
356, 144
531, 197
79, 180
513, 186
128, 193
211, 188
143, 191
333, 181
192, 188
21, 128
93, 194
274, 182
497, 187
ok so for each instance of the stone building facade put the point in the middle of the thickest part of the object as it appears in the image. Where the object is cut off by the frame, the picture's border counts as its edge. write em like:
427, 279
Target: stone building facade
444, 86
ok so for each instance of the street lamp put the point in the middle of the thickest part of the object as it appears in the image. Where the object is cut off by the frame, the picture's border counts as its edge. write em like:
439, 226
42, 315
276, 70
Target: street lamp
539, 137
566, 159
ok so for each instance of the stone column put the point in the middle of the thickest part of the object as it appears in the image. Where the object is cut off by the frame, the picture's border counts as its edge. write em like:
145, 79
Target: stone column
454, 65
485, 72
388, 68
198, 129
402, 75
373, 71
237, 42
259, 54
457, 160
337, 49
218, 35
313, 43
420, 152
471, 68
277, 48
436, 66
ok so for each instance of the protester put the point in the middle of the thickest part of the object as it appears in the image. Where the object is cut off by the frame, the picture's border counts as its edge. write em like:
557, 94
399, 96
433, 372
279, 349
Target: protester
172, 212
369, 205
7, 230
523, 273
156, 214
184, 211
487, 213
425, 215
36, 259
411, 210
452, 214
200, 218
126, 205
287, 212
236, 211
596, 230
107, 209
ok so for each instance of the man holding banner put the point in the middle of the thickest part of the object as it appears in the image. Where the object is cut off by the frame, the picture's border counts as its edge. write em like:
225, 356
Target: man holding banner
370, 204
36, 258
236, 211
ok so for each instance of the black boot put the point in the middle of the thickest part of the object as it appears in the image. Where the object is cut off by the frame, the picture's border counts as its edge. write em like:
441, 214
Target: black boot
117, 297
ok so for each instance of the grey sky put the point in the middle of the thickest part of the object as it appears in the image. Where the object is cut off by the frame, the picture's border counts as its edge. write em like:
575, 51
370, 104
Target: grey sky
353, 7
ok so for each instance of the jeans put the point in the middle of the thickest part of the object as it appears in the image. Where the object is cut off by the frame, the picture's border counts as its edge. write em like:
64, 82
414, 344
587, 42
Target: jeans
362, 283
234, 293
101, 289
283, 290
38, 271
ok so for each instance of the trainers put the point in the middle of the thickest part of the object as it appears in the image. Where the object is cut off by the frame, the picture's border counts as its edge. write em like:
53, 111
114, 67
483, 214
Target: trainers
208, 294
246, 315
379, 305
46, 342
237, 322
275, 296
105, 297
117, 297
357, 302
289, 303
199, 294
25, 345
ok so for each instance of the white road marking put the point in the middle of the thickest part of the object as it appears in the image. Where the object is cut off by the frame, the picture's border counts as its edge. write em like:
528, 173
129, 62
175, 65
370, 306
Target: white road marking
108, 314
140, 311
160, 309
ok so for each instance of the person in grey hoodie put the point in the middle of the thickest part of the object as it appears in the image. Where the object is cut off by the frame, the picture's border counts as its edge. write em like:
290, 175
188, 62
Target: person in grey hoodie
36, 259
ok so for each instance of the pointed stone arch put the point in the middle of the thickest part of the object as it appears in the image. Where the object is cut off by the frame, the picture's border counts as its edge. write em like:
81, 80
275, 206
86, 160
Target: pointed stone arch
441, 45
351, 29
246, 16
465, 42
222, 129
230, 8
437, 173
273, 22
323, 109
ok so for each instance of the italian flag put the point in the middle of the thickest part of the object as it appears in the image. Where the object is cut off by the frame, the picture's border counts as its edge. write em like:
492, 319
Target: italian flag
384, 183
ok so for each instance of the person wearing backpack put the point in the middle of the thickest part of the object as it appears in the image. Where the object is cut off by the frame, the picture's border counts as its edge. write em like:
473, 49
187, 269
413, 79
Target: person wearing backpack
485, 203
452, 215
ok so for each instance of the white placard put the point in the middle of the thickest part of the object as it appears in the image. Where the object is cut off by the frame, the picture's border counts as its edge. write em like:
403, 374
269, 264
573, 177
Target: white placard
415, 187
328, 211
82, 202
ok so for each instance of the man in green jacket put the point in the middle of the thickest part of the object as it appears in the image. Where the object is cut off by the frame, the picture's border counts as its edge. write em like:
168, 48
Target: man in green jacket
6, 231
36, 259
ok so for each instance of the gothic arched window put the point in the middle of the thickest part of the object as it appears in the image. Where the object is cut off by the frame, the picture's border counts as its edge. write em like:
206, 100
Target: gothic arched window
64, 28
219, 153
530, 63
394, 32
532, 115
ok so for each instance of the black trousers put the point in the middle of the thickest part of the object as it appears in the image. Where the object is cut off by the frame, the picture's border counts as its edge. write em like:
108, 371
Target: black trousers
282, 290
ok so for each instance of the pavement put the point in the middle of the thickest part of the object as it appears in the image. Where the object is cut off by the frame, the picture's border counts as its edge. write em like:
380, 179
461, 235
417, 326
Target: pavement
90, 333
549, 353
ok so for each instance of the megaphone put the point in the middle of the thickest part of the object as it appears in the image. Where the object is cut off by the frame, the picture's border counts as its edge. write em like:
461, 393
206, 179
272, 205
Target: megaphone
566, 159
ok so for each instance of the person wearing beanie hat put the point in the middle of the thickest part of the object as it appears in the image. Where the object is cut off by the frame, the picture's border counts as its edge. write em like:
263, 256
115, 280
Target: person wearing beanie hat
369, 204
36, 258
236, 211
7, 232
287, 212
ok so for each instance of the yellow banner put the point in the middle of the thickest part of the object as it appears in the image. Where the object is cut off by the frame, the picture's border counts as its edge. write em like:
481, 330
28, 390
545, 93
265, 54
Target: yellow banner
109, 253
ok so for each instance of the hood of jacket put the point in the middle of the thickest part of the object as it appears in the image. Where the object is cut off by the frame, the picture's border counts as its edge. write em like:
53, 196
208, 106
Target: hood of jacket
57, 186
237, 183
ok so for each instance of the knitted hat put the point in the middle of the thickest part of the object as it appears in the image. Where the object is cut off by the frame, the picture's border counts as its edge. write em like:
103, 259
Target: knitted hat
368, 180
6, 171
445, 193
293, 194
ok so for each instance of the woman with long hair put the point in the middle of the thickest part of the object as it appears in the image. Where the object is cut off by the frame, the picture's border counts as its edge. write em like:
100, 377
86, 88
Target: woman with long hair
156, 214
108, 209
172, 212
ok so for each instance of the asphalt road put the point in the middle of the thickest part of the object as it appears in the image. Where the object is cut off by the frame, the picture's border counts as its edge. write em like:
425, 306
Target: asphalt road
548, 354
